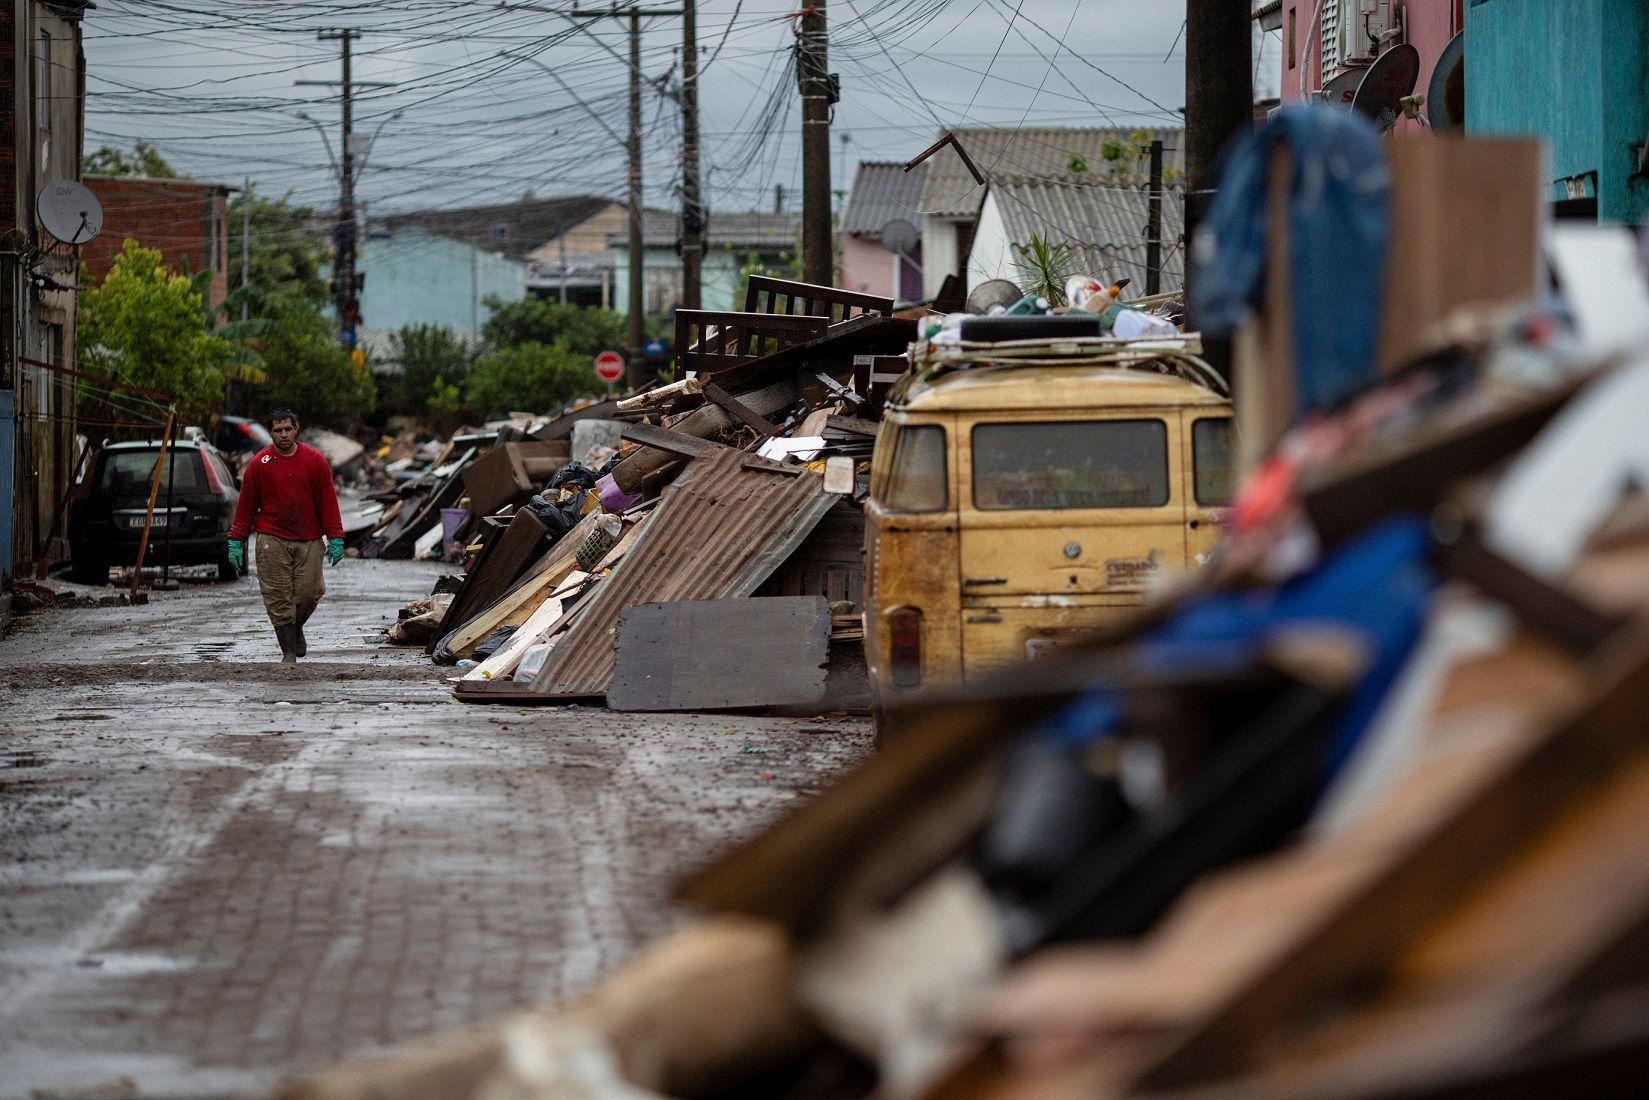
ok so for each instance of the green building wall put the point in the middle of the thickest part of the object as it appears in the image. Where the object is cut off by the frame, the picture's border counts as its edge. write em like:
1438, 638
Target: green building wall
1575, 73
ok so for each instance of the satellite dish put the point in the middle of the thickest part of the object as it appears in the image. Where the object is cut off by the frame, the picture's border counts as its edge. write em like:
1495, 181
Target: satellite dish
1339, 91
992, 293
899, 236
69, 211
1387, 81
1446, 95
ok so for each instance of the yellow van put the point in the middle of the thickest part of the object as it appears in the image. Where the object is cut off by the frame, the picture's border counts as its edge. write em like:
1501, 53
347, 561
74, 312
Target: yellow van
1016, 505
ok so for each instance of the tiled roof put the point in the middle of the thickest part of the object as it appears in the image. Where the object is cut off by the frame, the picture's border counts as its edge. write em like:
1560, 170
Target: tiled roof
1105, 224
882, 191
513, 228
950, 190
748, 229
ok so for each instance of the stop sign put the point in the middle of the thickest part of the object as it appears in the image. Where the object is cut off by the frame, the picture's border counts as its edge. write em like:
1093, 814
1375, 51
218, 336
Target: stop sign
609, 366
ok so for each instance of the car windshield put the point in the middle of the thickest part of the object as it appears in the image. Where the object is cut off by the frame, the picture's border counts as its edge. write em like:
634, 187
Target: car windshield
1071, 464
128, 473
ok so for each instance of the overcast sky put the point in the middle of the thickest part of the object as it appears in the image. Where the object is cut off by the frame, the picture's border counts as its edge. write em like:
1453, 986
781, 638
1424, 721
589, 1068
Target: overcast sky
474, 117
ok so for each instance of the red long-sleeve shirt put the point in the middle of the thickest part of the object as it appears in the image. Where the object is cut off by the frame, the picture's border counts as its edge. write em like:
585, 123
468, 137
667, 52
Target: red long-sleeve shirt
288, 496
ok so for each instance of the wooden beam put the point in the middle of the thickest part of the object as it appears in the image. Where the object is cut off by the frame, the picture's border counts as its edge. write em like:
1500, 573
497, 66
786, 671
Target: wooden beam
760, 424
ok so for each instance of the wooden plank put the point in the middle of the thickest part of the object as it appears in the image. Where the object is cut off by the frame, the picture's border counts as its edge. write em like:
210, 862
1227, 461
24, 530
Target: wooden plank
761, 425
721, 654
676, 443
551, 570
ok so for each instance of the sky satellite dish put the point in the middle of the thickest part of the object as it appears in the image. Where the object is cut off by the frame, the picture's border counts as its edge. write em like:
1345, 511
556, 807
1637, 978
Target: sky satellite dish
1387, 81
899, 236
992, 293
1446, 95
69, 211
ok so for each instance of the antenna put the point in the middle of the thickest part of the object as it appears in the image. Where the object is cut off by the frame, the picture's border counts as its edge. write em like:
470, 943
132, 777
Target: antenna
1388, 81
69, 211
1446, 94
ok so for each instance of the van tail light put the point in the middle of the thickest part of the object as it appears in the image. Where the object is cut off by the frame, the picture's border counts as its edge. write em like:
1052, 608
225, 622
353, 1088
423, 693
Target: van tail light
213, 482
904, 626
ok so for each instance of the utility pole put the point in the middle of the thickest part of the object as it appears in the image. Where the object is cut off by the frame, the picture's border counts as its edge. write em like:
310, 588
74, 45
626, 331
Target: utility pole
345, 288
638, 257
813, 74
346, 283
245, 243
692, 198
1219, 93
1153, 235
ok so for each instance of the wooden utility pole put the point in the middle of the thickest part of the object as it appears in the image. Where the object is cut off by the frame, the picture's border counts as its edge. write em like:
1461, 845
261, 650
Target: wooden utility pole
813, 73
1219, 92
1153, 234
692, 199
637, 300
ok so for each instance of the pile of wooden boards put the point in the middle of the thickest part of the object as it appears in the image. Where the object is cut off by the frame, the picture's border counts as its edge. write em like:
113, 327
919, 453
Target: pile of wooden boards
712, 514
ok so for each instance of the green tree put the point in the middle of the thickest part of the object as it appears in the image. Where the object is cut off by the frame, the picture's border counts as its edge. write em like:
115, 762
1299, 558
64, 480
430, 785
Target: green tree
143, 160
305, 367
581, 329
427, 354
147, 325
531, 377
287, 251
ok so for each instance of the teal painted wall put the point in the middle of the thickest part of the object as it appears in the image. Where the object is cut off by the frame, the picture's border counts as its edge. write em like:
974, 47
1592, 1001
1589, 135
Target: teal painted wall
1572, 72
414, 277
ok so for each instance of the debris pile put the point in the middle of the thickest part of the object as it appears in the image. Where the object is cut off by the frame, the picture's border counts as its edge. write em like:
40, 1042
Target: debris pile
1362, 809
634, 526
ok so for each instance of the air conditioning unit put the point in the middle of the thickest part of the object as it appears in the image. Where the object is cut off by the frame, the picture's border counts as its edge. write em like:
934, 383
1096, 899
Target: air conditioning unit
1354, 32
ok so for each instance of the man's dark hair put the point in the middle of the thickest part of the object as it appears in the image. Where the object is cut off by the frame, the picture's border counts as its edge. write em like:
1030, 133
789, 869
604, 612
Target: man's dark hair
277, 415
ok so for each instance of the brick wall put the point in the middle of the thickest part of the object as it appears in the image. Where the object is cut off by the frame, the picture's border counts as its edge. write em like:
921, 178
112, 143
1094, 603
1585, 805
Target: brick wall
184, 220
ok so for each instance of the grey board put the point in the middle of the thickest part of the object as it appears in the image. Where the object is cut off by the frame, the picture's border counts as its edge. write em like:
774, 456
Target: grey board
721, 654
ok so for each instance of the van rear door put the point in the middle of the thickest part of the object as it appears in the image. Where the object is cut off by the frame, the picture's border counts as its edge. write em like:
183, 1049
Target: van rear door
1085, 505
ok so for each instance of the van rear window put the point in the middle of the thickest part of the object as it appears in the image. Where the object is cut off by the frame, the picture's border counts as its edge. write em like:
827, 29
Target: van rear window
1211, 459
1071, 464
918, 481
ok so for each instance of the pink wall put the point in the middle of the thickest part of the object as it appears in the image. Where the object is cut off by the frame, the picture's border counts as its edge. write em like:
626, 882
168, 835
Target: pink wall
1429, 25
867, 266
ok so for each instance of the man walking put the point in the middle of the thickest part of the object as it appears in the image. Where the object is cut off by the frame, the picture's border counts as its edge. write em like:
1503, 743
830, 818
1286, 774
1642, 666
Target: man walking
287, 497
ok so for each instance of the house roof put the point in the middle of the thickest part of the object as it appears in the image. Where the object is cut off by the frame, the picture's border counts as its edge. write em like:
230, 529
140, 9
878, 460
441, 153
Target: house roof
513, 228
950, 191
662, 229
882, 191
1105, 224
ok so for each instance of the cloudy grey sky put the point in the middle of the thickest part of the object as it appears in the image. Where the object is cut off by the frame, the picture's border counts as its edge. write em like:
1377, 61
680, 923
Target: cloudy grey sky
212, 83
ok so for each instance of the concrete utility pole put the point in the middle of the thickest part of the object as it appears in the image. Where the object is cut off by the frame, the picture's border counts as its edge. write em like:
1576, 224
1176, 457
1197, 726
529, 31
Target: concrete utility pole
813, 74
1219, 92
346, 283
1153, 235
692, 197
638, 255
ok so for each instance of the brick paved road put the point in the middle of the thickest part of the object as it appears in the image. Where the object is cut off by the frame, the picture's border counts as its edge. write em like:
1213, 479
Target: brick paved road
218, 870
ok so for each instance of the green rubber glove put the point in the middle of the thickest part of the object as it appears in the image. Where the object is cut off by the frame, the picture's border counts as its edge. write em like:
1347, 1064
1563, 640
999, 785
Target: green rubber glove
334, 551
237, 554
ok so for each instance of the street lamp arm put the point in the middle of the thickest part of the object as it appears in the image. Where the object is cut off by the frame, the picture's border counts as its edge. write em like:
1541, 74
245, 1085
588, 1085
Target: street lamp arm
331, 157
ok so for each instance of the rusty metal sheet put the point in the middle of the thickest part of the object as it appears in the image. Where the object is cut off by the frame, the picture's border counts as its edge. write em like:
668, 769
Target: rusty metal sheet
720, 529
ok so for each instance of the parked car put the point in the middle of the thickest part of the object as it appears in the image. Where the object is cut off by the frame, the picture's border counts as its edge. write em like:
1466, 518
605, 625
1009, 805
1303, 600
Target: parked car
1017, 508
106, 517
236, 435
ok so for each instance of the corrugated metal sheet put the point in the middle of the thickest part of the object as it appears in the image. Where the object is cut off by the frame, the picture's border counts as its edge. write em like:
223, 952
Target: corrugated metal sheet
882, 191
951, 192
1105, 223
719, 530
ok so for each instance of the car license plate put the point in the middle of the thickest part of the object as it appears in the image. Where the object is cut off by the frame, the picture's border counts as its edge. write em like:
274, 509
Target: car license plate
135, 523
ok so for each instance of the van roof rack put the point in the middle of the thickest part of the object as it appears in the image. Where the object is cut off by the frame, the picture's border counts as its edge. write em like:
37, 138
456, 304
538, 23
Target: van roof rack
1179, 356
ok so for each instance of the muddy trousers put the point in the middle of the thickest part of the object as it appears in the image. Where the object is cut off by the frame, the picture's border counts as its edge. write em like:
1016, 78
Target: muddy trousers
289, 575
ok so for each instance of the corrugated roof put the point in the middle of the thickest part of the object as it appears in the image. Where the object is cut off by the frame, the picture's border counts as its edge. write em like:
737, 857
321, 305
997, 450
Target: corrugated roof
513, 228
882, 191
1104, 223
719, 530
734, 229
951, 192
